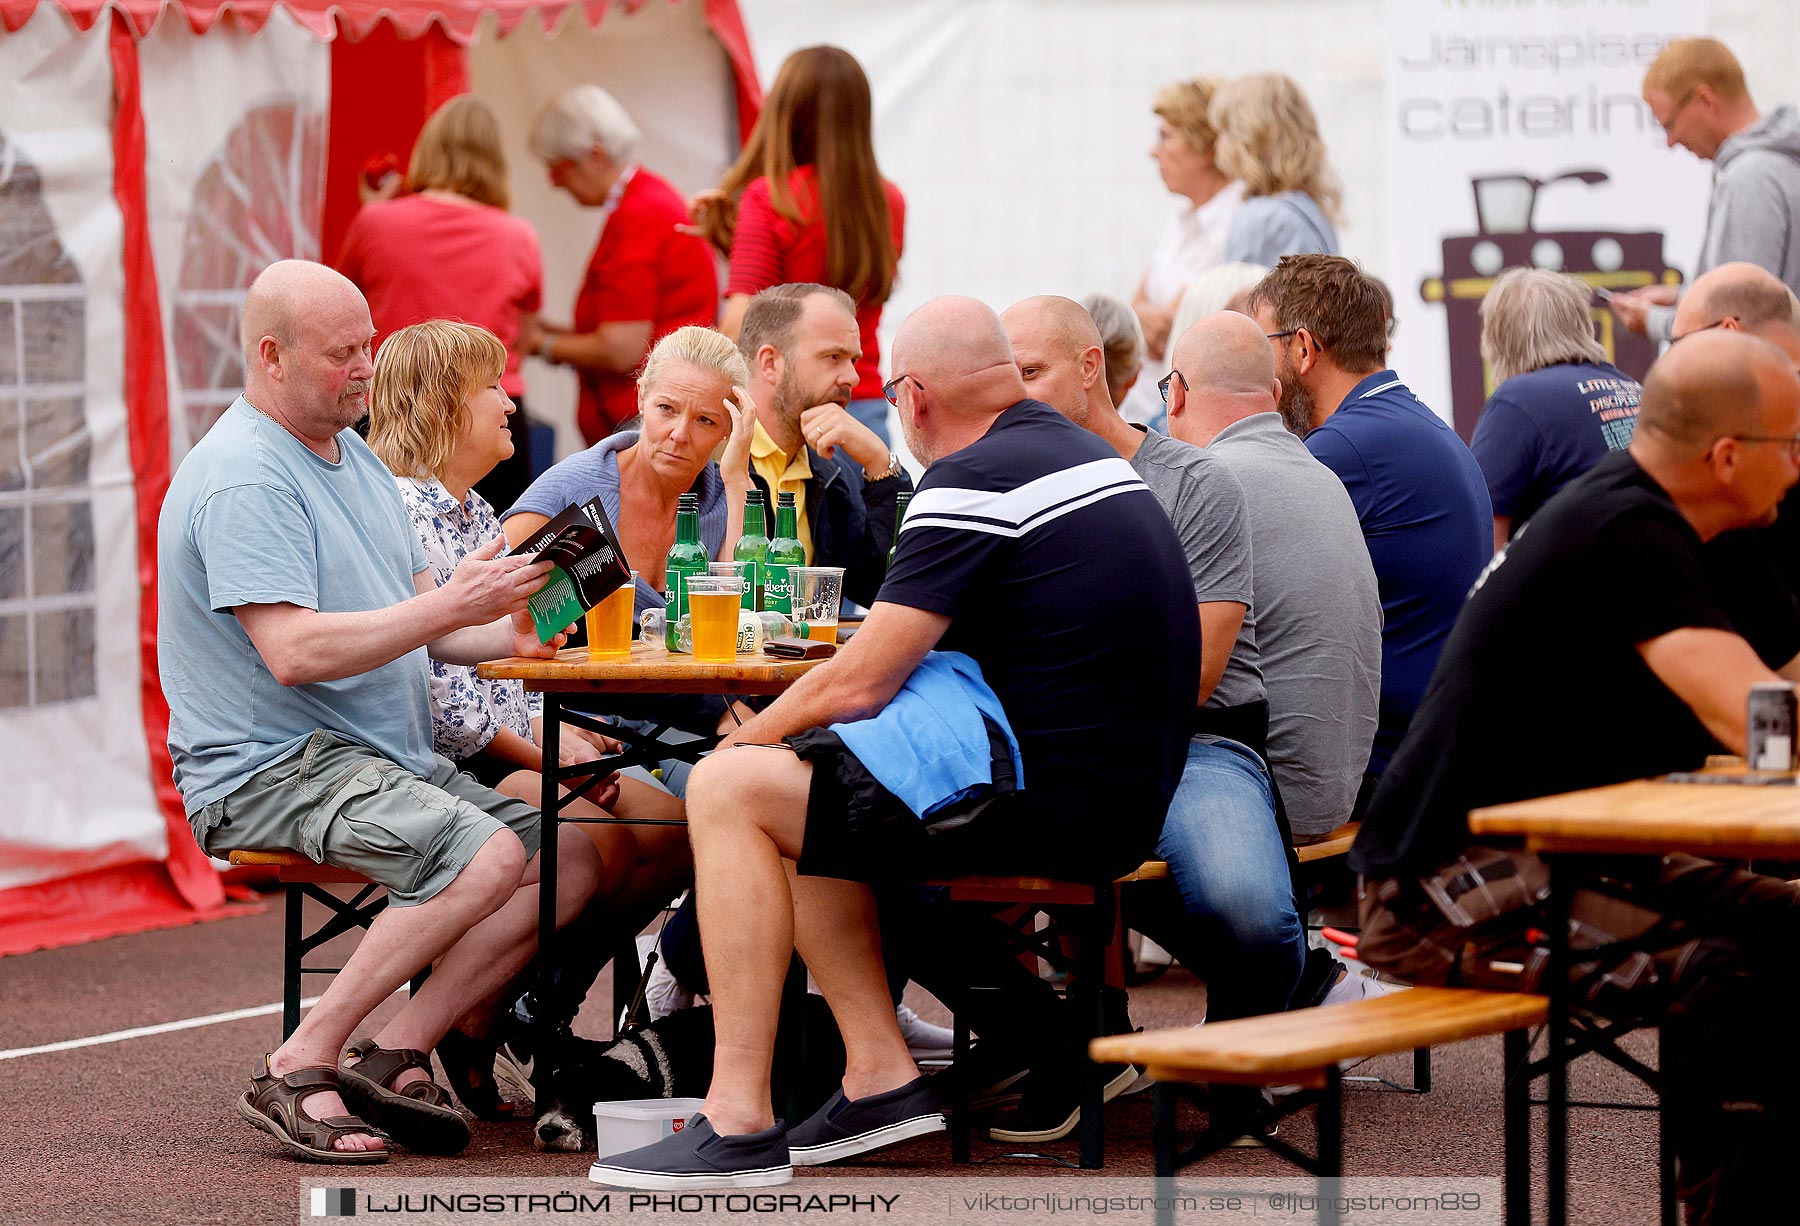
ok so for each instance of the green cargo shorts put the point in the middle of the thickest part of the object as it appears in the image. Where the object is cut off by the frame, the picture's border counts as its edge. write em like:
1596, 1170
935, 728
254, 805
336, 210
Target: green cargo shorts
340, 803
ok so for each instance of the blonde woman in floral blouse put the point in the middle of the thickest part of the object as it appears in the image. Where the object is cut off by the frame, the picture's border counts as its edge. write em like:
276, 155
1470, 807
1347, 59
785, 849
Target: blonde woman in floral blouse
438, 419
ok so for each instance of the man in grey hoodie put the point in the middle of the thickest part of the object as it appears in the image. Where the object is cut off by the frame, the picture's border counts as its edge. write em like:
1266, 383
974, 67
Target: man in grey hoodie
1695, 90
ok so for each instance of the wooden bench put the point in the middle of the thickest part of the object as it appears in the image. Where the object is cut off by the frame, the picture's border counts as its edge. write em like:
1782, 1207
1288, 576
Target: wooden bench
1305, 1047
301, 879
1087, 974
1335, 844
1078, 915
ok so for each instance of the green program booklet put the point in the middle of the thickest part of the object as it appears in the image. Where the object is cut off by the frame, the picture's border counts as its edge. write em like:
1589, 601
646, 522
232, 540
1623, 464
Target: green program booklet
588, 563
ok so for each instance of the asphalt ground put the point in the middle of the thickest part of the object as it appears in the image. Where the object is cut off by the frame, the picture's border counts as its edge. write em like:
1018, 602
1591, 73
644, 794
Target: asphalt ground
142, 1130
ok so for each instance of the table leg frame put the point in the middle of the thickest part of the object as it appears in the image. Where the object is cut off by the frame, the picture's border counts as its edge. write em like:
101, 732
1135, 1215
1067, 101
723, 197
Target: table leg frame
544, 1026
1556, 1130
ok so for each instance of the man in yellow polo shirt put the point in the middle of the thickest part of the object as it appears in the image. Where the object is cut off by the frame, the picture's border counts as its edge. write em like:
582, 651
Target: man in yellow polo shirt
782, 472
802, 343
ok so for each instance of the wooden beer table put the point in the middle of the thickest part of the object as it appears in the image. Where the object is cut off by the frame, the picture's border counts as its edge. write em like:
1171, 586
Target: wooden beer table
1646, 817
647, 670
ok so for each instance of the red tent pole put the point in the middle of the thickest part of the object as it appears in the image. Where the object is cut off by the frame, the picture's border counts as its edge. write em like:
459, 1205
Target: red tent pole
147, 429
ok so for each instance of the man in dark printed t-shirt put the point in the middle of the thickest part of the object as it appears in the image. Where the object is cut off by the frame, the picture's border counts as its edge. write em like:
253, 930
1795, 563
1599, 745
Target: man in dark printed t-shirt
1034, 549
1599, 647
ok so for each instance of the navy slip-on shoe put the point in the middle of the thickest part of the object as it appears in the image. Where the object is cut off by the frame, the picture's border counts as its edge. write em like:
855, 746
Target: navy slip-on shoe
697, 1158
843, 1127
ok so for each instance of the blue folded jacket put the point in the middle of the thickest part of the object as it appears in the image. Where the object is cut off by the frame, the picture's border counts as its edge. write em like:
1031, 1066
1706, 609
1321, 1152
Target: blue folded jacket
930, 745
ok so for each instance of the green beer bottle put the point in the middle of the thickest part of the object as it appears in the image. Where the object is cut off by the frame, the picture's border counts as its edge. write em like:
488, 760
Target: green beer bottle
751, 547
785, 550
900, 501
687, 556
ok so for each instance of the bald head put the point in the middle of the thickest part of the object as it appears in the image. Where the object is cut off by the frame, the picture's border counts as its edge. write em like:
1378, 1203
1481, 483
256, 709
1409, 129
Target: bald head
1714, 383
307, 337
1225, 352
1227, 373
1716, 429
1060, 355
956, 375
1738, 295
950, 338
1059, 321
285, 294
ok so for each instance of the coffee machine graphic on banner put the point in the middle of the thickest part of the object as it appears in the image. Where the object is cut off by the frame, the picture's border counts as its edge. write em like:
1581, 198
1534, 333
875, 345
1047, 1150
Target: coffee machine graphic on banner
1505, 238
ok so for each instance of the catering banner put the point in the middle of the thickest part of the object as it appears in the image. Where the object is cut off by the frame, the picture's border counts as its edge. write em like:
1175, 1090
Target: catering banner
1515, 134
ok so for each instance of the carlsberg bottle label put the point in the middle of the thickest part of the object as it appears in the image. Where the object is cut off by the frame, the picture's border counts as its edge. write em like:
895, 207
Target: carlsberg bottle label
778, 588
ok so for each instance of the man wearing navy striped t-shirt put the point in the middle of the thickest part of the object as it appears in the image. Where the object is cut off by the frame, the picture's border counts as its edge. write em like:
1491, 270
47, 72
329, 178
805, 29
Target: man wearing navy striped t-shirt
1032, 547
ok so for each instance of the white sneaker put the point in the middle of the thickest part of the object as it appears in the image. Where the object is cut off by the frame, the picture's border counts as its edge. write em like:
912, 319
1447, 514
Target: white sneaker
1359, 985
928, 1043
663, 995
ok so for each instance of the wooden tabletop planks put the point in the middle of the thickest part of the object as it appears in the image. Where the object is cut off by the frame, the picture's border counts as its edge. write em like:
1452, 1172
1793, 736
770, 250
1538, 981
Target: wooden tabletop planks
1651, 817
650, 670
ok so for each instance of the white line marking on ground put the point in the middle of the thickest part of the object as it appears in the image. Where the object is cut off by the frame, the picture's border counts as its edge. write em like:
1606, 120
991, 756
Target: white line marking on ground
141, 1032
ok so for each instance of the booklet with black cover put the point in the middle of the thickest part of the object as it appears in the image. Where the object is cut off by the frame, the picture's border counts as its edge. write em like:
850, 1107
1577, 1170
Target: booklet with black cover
589, 566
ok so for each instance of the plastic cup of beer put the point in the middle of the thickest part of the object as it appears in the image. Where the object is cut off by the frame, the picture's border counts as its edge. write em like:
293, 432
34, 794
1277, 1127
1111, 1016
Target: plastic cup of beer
818, 593
713, 615
609, 623
735, 570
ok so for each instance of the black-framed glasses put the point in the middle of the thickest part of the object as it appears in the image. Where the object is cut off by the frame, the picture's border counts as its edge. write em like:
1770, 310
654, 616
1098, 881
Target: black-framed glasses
1275, 336
891, 389
1793, 441
1162, 384
1717, 323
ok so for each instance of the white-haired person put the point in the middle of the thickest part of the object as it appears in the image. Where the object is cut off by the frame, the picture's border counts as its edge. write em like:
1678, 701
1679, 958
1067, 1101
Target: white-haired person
1558, 405
437, 419
1121, 341
647, 276
1268, 138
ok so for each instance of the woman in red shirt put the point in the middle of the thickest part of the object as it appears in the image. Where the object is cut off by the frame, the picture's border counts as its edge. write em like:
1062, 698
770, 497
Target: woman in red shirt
446, 248
805, 201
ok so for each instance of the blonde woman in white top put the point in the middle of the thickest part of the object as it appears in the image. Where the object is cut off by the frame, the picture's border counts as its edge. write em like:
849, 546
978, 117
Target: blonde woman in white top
1193, 240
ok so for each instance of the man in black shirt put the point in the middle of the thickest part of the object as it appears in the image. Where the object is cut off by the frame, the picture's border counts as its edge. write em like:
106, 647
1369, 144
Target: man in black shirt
1595, 650
1035, 550
1758, 570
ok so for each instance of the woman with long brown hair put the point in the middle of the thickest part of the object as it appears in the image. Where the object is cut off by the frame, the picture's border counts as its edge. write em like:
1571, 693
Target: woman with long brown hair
446, 248
805, 201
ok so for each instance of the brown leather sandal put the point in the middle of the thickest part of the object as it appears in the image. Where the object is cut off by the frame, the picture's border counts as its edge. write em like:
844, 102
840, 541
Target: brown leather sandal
273, 1104
418, 1115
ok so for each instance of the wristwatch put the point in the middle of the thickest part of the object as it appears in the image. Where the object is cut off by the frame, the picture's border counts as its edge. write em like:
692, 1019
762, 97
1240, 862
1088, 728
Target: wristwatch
887, 474
546, 347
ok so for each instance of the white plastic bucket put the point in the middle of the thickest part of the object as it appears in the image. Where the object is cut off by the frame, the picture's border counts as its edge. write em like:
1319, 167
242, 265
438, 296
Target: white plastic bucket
632, 1123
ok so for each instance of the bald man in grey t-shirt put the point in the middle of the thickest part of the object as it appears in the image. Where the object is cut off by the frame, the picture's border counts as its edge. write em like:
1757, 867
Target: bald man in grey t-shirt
1316, 609
1239, 930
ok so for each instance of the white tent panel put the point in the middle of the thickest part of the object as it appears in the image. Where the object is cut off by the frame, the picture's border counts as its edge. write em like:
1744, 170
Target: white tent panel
663, 64
1020, 130
236, 132
71, 736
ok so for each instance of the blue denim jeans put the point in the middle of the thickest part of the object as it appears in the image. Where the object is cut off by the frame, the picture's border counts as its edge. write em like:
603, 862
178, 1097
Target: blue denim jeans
1239, 930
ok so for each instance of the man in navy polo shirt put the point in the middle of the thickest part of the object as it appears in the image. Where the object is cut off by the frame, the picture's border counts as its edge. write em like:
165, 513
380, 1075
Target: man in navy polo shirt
1418, 492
